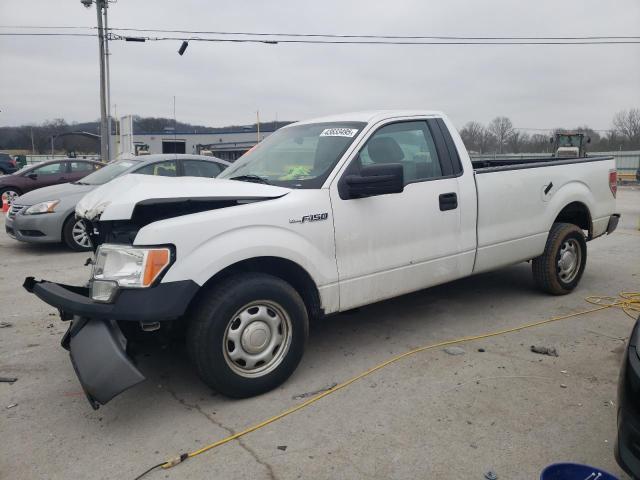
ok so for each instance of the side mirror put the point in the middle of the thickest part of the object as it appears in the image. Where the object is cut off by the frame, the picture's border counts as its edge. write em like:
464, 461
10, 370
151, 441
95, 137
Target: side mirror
33, 176
377, 179
588, 139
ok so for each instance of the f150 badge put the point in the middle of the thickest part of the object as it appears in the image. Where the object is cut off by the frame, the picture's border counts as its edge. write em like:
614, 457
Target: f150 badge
315, 217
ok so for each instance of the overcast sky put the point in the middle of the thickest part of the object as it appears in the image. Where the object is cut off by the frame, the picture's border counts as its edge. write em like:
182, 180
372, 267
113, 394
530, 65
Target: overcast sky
218, 83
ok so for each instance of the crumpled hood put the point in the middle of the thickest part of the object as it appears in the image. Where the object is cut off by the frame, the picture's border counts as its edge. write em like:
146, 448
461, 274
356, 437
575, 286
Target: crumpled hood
54, 192
117, 199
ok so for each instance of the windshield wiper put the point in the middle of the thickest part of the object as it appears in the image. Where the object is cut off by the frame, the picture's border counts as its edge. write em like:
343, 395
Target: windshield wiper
251, 178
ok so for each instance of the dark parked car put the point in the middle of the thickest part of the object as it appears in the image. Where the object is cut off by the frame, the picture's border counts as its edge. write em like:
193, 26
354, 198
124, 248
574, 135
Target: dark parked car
7, 164
48, 214
44, 174
627, 446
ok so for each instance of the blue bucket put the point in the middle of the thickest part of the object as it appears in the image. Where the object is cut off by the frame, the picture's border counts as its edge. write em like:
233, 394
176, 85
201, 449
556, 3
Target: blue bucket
574, 471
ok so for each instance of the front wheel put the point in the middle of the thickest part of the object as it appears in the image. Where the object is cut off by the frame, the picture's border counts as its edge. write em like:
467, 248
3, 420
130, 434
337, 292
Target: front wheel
247, 334
559, 269
75, 236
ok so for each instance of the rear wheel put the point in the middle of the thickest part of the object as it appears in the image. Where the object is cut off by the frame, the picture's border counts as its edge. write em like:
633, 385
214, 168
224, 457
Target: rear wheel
8, 195
75, 236
247, 334
559, 269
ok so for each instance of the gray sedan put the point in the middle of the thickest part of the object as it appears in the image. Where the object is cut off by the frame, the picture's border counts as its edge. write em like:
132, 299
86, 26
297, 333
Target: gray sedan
47, 215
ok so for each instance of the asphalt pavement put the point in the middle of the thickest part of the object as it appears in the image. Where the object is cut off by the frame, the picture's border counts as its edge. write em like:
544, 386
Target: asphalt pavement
494, 405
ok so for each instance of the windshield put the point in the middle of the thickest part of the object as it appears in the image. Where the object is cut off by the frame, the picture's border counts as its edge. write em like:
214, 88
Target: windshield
300, 156
108, 173
569, 140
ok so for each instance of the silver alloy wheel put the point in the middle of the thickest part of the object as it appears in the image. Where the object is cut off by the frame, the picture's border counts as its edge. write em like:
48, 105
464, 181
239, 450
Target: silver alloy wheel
9, 196
79, 234
569, 260
257, 339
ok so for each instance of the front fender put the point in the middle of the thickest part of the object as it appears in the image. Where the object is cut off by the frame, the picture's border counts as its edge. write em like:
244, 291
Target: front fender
215, 254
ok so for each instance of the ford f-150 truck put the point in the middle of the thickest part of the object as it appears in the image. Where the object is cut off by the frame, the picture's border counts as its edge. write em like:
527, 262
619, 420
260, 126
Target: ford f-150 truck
323, 216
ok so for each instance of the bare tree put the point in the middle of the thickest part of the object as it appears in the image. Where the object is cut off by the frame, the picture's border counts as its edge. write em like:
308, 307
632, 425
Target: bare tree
473, 134
627, 124
518, 142
501, 128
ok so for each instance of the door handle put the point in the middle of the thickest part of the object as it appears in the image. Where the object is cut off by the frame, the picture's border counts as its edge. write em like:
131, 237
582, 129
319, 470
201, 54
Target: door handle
448, 201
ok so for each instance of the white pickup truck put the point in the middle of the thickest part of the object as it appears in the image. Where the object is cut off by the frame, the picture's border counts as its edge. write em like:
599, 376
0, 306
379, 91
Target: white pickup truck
323, 216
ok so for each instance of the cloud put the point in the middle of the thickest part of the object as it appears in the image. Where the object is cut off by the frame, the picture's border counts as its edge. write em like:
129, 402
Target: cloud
220, 84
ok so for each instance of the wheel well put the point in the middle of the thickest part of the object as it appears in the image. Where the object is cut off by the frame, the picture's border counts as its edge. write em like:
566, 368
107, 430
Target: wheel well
289, 271
578, 214
71, 216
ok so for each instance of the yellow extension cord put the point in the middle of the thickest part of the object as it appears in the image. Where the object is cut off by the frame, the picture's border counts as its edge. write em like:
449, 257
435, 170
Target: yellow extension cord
629, 302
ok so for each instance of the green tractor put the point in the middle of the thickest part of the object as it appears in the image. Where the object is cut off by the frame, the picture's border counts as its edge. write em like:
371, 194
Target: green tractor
570, 144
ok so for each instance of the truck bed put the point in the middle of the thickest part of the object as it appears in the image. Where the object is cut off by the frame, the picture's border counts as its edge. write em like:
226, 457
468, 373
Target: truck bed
501, 164
519, 199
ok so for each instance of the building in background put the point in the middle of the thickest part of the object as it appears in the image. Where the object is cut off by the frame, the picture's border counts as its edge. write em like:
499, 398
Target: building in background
225, 145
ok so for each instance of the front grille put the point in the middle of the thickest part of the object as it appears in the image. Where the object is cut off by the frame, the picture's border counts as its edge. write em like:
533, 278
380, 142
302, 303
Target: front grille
14, 209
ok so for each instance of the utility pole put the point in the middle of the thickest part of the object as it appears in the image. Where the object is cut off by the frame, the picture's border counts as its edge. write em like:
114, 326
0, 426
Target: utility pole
258, 124
105, 5
104, 130
103, 48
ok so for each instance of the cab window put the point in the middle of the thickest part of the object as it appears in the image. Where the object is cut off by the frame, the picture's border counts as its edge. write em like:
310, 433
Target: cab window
83, 166
409, 144
200, 168
161, 169
51, 169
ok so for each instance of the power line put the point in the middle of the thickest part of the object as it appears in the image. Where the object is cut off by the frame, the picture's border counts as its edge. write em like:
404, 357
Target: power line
376, 42
325, 41
333, 35
14, 34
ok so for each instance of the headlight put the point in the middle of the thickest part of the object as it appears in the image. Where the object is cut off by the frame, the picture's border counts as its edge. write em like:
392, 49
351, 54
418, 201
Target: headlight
126, 266
43, 207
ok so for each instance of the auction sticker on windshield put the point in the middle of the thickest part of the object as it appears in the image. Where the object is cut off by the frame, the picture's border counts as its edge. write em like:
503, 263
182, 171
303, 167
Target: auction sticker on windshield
339, 132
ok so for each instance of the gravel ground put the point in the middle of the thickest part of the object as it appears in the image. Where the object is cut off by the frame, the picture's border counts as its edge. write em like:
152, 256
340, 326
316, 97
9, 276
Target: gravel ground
494, 405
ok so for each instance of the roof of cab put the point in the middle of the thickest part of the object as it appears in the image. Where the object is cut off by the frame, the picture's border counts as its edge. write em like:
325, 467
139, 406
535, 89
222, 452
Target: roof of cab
372, 116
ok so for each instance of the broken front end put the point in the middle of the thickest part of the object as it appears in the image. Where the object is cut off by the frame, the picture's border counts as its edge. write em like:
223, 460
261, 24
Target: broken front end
124, 293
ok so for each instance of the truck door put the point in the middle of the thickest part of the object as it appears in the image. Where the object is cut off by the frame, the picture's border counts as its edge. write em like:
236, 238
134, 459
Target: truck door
391, 244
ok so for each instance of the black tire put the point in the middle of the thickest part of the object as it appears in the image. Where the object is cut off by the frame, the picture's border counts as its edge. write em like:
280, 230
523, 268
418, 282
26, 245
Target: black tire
548, 268
217, 312
7, 189
68, 236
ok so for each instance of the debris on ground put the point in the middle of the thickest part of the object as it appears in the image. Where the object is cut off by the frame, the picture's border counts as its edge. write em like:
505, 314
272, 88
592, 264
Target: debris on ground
481, 350
551, 351
315, 392
491, 475
8, 379
11, 405
282, 447
455, 350
562, 385
6, 324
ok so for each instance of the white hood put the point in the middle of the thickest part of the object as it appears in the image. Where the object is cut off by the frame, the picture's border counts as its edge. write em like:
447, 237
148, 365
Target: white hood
117, 199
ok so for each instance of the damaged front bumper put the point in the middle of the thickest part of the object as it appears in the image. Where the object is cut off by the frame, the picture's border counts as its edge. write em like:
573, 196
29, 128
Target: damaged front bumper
97, 349
97, 346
